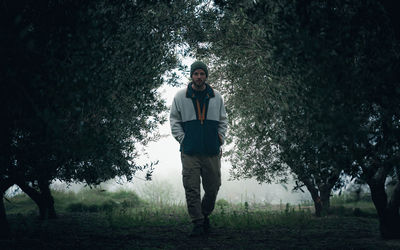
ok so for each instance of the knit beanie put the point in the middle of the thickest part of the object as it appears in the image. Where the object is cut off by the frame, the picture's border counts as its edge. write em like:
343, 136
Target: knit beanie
198, 65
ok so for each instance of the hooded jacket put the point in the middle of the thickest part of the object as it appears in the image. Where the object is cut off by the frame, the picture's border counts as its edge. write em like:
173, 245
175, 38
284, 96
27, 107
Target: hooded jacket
198, 130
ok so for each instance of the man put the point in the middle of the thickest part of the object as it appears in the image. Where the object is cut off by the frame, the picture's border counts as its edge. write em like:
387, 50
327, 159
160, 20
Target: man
198, 122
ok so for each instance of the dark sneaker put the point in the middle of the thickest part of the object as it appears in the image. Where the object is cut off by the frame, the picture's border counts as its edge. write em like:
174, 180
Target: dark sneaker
206, 225
197, 231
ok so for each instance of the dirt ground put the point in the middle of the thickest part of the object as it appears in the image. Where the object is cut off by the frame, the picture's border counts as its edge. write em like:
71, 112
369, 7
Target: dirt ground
92, 231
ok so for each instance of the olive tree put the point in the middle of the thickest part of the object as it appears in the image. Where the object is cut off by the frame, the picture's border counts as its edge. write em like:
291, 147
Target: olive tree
311, 87
79, 88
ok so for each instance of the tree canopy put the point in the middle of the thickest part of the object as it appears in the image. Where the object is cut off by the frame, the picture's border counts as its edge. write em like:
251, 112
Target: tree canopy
79, 88
313, 87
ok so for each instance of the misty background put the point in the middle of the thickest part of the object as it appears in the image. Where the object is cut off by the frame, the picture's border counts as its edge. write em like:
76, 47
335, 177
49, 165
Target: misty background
166, 184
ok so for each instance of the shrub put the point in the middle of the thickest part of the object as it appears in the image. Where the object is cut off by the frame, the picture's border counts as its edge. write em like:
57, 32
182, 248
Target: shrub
106, 206
222, 203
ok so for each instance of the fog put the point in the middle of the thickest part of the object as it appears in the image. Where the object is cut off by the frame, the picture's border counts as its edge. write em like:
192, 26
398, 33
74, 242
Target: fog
167, 178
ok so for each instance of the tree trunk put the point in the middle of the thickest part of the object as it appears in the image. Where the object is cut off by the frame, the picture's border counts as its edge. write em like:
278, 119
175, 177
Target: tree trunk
43, 200
4, 226
389, 224
318, 206
320, 196
388, 214
48, 200
34, 195
325, 198
316, 198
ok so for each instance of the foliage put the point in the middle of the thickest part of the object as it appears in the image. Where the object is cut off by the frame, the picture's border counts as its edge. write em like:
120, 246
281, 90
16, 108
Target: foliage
80, 207
311, 85
80, 89
80, 85
221, 203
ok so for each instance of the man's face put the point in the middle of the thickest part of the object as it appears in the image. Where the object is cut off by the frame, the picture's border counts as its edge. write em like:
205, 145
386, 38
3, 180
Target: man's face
199, 78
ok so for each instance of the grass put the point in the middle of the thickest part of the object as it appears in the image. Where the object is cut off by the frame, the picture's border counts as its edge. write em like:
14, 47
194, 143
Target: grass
122, 208
126, 208
87, 200
20, 203
122, 220
348, 205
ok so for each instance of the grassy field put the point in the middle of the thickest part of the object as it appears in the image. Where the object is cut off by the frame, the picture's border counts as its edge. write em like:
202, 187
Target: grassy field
98, 219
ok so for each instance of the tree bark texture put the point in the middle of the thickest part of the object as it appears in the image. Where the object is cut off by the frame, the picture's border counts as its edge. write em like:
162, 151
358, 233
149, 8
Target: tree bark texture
321, 196
43, 200
316, 198
325, 193
388, 212
48, 200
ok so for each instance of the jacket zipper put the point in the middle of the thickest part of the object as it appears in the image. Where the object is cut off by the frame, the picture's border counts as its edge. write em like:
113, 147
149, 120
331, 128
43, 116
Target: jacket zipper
201, 115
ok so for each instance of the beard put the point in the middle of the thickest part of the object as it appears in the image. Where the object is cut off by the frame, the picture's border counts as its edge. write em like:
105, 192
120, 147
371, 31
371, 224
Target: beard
199, 84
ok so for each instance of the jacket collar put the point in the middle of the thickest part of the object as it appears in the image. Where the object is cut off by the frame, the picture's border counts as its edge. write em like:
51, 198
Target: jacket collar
190, 91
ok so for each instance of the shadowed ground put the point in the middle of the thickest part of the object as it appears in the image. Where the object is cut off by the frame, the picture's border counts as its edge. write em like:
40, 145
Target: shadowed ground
94, 231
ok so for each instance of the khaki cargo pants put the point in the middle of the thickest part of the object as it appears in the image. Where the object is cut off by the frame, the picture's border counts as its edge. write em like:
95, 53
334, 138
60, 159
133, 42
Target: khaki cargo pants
209, 169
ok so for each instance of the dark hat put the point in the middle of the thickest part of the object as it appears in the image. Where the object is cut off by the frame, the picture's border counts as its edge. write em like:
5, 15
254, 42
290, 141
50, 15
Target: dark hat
198, 65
